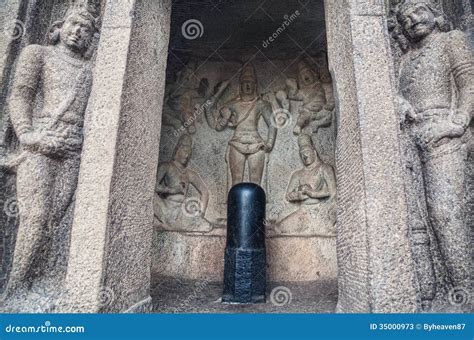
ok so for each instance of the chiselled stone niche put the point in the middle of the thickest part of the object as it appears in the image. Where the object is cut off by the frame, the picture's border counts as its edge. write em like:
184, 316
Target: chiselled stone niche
265, 117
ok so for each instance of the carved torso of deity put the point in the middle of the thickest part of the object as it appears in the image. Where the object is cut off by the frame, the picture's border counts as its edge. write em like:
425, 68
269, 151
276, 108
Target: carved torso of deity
425, 73
245, 118
66, 84
313, 97
314, 177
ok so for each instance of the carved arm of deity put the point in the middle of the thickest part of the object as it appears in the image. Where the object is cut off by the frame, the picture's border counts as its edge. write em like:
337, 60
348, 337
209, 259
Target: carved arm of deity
327, 187
296, 196
292, 89
28, 75
226, 118
267, 114
212, 113
295, 191
462, 68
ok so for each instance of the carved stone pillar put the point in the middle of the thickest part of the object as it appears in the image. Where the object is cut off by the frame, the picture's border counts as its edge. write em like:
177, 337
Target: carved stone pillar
110, 252
376, 270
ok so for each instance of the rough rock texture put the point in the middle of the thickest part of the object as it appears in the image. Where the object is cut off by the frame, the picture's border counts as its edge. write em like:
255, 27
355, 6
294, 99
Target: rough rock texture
435, 114
114, 213
374, 256
195, 256
172, 295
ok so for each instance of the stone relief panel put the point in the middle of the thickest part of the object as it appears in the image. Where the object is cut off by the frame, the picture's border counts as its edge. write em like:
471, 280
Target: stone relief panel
46, 107
245, 124
313, 189
174, 209
254, 122
436, 86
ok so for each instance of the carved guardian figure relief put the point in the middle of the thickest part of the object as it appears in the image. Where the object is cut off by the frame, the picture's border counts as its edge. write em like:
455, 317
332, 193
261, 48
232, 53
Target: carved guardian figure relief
436, 86
59, 77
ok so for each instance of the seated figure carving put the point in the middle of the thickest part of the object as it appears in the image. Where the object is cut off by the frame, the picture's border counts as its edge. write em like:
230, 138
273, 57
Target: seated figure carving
313, 189
174, 209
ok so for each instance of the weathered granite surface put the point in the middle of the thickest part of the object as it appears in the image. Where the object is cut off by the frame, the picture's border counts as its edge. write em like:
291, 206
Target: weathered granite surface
46, 109
376, 146
375, 267
435, 84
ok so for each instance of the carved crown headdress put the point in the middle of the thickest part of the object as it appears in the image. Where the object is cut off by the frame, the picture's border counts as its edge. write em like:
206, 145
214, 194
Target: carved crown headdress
434, 5
185, 141
304, 65
248, 73
87, 11
305, 142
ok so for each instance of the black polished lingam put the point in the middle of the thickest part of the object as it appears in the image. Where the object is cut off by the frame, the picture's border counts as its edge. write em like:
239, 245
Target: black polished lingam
245, 257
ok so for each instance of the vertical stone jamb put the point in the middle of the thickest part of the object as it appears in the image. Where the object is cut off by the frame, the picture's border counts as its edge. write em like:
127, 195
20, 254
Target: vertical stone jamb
110, 255
374, 256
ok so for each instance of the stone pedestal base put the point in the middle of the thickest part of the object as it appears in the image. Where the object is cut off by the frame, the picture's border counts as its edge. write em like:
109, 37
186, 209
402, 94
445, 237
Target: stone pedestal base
201, 257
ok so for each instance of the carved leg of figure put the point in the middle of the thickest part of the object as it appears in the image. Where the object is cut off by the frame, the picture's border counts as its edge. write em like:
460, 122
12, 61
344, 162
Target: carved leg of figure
321, 119
65, 187
445, 189
256, 167
34, 183
236, 165
67, 172
418, 222
303, 120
